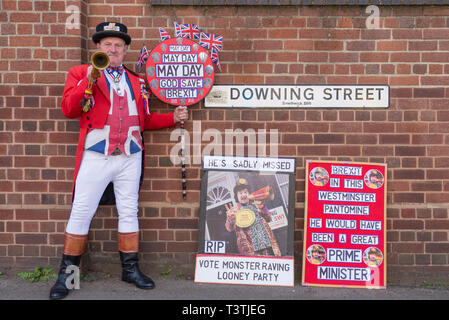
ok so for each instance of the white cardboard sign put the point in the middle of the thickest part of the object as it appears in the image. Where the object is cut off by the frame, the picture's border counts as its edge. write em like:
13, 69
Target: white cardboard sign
230, 269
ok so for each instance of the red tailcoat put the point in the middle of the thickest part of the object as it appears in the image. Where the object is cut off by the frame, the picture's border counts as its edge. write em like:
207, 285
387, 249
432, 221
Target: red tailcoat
72, 97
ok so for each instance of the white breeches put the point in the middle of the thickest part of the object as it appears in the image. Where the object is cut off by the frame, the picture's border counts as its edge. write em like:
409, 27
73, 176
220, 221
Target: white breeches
94, 175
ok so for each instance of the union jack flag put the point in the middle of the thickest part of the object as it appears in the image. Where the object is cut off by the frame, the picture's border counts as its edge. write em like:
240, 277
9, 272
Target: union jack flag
164, 34
210, 40
188, 30
214, 58
142, 58
177, 29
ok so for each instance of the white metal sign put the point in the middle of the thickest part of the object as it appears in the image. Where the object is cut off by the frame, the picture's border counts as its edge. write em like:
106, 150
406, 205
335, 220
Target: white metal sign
249, 163
298, 96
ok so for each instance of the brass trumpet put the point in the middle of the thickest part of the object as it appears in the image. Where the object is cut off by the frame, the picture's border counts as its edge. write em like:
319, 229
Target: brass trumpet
99, 61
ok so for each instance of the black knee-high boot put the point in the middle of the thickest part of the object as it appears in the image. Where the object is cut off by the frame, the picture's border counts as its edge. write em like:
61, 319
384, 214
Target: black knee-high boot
131, 272
73, 249
60, 290
128, 245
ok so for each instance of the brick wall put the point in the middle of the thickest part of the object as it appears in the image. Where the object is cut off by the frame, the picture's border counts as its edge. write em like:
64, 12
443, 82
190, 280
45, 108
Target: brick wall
262, 45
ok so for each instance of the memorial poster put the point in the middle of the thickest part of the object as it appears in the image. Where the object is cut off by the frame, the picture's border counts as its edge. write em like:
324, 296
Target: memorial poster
246, 221
345, 225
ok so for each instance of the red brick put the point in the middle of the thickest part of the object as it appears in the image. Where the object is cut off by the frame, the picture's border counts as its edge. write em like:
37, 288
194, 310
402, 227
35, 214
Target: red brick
422, 45
308, 150
24, 41
394, 139
435, 34
410, 151
153, 223
438, 151
328, 138
29, 161
261, 45
31, 214
345, 150
255, 57
30, 238
182, 223
65, 137
313, 57
442, 115
426, 186
30, 226
313, 33
6, 238
59, 186
360, 45
404, 57
283, 33
439, 128
61, 162
24, 17
345, 34
427, 139
408, 224
279, 80
14, 226
442, 247
414, 197
182, 246
328, 45
408, 174
376, 127
283, 57
361, 139
392, 45
297, 45
377, 151
252, 34
404, 80
30, 186
152, 247
100, 10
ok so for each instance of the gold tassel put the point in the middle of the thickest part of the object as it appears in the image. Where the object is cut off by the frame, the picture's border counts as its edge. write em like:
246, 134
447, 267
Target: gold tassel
86, 101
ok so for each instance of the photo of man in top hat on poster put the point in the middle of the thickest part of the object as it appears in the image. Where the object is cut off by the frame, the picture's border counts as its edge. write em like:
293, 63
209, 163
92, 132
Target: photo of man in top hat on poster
247, 212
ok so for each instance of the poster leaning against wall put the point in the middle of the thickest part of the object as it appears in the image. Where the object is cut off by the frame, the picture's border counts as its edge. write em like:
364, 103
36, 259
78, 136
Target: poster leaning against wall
246, 221
345, 225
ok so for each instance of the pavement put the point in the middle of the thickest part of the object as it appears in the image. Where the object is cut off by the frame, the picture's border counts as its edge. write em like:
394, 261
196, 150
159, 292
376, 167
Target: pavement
177, 296
172, 287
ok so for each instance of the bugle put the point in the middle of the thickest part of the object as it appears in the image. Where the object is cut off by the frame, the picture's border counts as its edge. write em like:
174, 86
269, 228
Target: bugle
99, 61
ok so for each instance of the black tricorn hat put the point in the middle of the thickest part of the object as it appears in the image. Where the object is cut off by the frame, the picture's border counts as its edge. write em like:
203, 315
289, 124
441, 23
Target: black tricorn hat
111, 29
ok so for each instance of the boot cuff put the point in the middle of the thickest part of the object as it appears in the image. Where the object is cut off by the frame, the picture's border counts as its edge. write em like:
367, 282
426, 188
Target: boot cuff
128, 242
74, 244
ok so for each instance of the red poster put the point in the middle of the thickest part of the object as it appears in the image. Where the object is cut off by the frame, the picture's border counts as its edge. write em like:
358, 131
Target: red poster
344, 226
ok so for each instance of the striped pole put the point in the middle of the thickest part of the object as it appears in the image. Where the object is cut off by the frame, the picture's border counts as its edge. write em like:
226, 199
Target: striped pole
183, 162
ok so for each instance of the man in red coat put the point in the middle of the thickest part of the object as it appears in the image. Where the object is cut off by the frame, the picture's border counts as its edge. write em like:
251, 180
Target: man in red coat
109, 158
